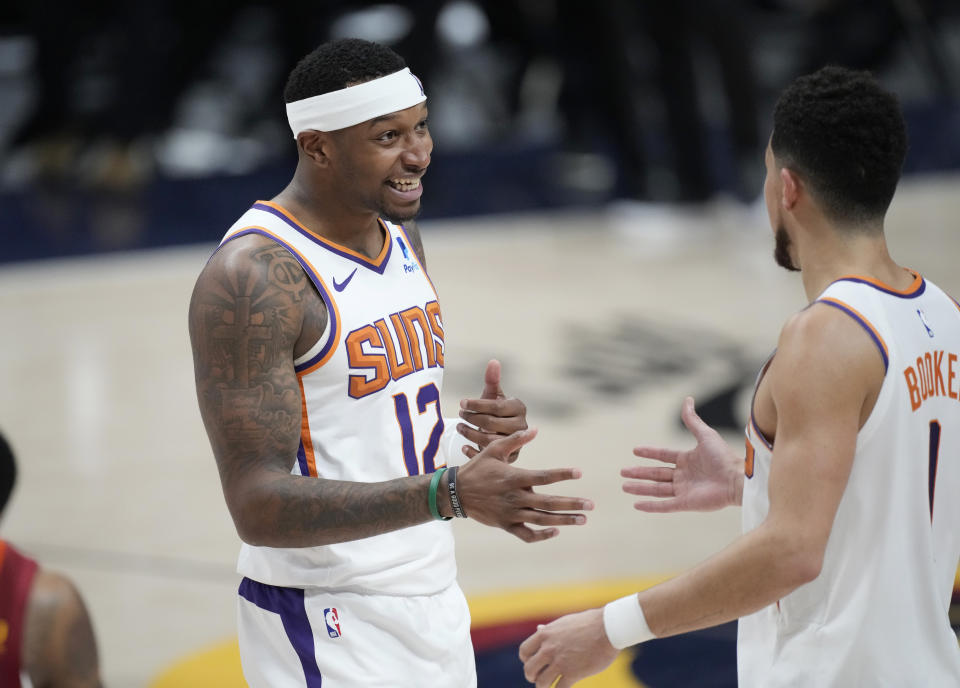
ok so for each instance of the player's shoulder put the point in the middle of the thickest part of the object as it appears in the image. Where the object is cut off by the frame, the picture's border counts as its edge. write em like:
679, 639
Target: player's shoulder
243, 252
53, 592
247, 261
59, 640
821, 335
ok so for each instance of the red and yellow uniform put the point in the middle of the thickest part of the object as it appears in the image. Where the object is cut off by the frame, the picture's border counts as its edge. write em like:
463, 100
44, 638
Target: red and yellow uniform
16, 577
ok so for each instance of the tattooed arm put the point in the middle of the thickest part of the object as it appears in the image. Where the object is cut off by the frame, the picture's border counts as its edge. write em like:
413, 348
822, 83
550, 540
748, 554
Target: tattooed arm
59, 649
253, 311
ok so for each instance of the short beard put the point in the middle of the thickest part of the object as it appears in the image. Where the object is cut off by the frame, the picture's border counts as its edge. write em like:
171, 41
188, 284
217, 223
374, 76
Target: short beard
781, 250
395, 219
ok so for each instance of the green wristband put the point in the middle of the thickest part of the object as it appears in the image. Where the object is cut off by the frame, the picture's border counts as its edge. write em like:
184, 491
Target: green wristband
432, 495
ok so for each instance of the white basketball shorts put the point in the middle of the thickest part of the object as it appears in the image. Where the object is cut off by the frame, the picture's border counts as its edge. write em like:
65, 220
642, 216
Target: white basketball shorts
296, 638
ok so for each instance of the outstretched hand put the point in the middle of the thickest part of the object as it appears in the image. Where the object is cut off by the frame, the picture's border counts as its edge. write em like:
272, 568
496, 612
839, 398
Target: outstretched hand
497, 494
705, 478
493, 414
571, 648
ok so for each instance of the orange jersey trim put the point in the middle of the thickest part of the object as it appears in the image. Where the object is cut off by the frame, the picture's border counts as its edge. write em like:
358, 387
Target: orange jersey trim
305, 437
866, 324
915, 286
318, 280
340, 248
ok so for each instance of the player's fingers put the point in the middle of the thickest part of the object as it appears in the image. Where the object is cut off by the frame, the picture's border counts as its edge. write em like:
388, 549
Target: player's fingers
504, 446
661, 506
549, 476
546, 502
546, 518
530, 535
692, 421
469, 451
528, 648
660, 474
495, 424
548, 676
648, 489
657, 454
478, 437
501, 408
565, 682
491, 381
534, 664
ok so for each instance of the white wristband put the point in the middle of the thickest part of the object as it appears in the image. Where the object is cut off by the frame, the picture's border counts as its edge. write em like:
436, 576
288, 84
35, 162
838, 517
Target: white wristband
624, 622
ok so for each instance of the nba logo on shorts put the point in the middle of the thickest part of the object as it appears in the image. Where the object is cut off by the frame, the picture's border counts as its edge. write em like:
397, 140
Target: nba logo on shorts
332, 618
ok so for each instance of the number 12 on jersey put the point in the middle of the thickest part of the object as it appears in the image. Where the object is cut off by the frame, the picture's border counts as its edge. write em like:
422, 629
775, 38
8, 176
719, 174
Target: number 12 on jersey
427, 395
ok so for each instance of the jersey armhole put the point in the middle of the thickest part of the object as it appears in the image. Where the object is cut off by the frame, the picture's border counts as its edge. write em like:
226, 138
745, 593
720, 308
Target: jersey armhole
864, 323
880, 405
323, 349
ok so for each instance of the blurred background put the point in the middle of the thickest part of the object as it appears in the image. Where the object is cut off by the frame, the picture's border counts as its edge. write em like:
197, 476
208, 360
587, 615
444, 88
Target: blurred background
596, 164
136, 124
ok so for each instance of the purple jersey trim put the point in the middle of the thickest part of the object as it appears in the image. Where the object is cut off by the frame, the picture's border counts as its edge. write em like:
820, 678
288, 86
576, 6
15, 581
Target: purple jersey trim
331, 246
866, 326
289, 605
302, 460
317, 282
870, 283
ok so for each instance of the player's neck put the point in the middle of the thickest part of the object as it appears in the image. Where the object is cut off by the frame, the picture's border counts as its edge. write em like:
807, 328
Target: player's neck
827, 258
326, 217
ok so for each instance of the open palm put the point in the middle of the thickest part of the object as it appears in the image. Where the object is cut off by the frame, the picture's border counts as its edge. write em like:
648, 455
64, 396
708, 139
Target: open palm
705, 478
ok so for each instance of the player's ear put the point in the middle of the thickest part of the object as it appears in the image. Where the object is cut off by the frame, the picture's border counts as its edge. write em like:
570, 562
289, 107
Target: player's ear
315, 145
789, 187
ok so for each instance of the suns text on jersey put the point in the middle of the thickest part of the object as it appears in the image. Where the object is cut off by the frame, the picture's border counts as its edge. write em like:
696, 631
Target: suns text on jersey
933, 375
416, 333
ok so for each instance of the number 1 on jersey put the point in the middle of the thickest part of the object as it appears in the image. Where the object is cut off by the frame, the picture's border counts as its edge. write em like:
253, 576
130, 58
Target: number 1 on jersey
428, 394
934, 457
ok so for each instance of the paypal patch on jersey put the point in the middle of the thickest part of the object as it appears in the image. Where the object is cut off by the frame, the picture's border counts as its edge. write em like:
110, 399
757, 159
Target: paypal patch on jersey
332, 619
409, 266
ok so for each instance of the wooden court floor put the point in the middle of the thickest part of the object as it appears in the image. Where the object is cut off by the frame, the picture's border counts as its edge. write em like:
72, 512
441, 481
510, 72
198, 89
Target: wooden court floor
603, 321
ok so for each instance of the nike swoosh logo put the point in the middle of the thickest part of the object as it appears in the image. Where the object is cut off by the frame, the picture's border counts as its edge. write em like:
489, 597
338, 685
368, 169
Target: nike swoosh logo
344, 283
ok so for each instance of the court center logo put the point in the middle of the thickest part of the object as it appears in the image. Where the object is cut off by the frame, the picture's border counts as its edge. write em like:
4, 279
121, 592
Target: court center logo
332, 618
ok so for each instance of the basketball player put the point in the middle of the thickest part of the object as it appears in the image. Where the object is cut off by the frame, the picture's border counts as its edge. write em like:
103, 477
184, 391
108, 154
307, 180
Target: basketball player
46, 638
319, 350
844, 574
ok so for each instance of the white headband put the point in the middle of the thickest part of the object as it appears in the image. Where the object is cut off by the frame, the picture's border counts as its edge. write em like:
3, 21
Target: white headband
356, 104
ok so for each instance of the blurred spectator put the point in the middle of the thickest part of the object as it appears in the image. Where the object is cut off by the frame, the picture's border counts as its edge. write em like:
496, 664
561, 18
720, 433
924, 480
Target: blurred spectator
676, 28
865, 34
46, 638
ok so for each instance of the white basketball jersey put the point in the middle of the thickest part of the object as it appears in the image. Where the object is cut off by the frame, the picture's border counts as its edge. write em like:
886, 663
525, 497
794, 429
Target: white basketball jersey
371, 406
877, 615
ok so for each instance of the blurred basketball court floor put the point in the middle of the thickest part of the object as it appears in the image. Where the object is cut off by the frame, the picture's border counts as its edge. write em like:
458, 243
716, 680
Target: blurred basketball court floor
603, 320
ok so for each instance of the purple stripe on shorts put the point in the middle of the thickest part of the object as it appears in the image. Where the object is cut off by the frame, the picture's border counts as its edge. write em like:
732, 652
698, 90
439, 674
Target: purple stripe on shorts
288, 603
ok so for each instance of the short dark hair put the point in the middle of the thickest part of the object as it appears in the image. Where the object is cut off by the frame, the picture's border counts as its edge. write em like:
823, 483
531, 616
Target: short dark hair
8, 472
336, 64
845, 136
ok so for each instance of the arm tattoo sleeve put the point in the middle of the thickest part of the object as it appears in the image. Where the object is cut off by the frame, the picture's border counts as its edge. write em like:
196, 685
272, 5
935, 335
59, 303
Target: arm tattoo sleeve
245, 317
